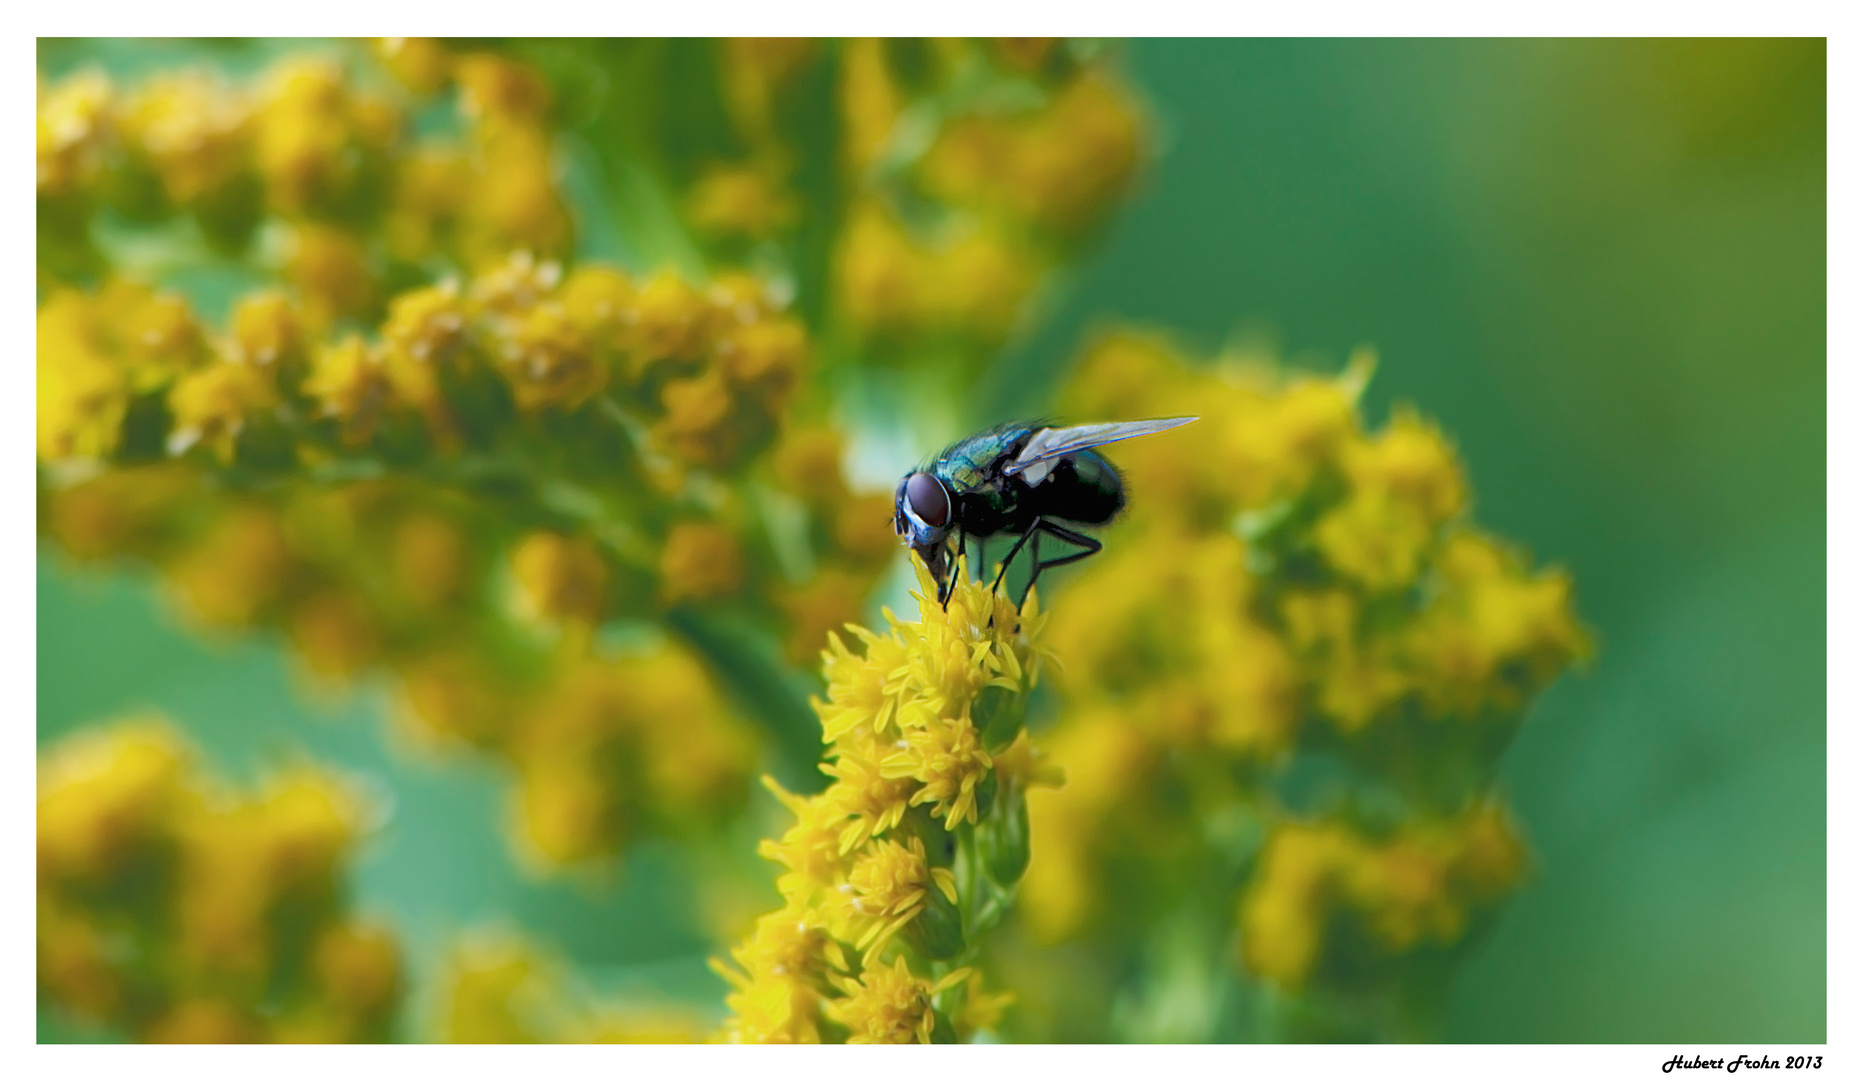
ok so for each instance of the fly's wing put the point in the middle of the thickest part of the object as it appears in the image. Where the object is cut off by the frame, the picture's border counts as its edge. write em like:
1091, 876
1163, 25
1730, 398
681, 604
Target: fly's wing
1052, 444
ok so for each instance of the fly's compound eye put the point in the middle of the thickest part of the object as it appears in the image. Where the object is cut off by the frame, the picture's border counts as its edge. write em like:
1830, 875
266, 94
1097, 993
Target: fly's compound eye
928, 500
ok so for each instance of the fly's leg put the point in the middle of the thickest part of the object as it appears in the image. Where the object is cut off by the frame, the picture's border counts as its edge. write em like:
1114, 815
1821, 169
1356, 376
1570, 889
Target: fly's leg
949, 584
1081, 540
1013, 552
1034, 527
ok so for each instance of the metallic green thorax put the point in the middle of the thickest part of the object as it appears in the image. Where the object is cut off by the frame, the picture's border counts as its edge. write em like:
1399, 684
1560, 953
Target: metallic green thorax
989, 501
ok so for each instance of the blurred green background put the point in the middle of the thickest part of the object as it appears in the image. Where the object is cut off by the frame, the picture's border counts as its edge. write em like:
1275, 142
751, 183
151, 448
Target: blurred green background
1601, 267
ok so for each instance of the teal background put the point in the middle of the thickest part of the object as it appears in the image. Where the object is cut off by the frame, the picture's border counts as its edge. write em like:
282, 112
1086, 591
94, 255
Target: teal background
1600, 266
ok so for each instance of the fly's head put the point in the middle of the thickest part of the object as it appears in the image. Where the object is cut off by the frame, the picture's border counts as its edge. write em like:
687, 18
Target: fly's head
923, 516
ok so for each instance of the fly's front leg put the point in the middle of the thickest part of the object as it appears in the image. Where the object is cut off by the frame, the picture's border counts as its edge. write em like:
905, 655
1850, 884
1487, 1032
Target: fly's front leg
948, 584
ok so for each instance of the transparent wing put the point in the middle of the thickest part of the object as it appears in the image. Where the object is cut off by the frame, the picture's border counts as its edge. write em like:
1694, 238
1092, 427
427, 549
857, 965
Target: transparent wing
1049, 444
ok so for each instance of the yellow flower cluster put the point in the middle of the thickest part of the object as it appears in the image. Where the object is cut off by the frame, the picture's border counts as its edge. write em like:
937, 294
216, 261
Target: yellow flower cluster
595, 401
1021, 171
499, 988
488, 631
706, 376
173, 910
965, 173
1292, 596
1418, 886
916, 847
615, 748
336, 165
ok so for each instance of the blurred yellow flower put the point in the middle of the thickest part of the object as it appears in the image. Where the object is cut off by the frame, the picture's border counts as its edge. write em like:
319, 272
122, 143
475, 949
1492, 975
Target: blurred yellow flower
75, 123
702, 561
1301, 597
211, 405
181, 912
1419, 886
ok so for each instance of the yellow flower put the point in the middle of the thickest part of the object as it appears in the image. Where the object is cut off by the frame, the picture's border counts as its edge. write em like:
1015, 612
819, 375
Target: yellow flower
870, 101
422, 64
946, 756
204, 1020
814, 611
1060, 165
104, 794
492, 87
449, 696
1495, 636
880, 275
600, 301
862, 689
313, 136
335, 634
890, 1004
868, 801
667, 317
791, 943
1413, 889
192, 132
739, 201
496, 990
237, 571
778, 1011
560, 578
74, 125
549, 362
358, 969
128, 510
564, 812
211, 406
755, 71
887, 887
1283, 911
513, 202
984, 280
516, 285
431, 185
701, 561
174, 910
764, 358
858, 874
349, 383
83, 391
332, 272
1402, 486
811, 848
267, 332
700, 423
428, 331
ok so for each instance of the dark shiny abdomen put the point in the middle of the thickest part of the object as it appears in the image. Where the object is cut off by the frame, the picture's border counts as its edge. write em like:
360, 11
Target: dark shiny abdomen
1084, 487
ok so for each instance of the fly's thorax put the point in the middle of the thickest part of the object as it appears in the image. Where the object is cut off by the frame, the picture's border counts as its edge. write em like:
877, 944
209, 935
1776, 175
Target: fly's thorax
992, 509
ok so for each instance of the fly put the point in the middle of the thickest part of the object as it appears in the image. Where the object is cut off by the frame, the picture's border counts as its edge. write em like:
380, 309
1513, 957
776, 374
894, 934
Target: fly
1020, 479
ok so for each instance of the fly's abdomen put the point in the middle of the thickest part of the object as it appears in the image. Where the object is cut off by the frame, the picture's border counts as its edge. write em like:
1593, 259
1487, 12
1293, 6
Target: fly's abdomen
1084, 487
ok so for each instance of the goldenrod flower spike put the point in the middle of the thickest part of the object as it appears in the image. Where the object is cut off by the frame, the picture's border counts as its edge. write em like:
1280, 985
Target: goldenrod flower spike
915, 849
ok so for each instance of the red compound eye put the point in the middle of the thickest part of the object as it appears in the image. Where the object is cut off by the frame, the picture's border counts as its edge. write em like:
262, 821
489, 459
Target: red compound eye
928, 500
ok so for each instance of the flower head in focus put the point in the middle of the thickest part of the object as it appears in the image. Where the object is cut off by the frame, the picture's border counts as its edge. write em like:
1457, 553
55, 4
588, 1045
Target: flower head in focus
876, 915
